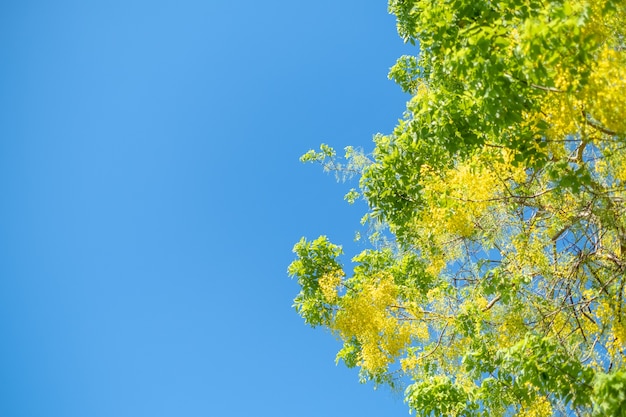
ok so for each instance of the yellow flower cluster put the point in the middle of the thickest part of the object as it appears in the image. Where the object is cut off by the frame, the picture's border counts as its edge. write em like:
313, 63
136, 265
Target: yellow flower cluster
562, 111
612, 168
463, 202
367, 317
616, 326
529, 253
600, 96
409, 363
329, 284
604, 93
540, 407
472, 186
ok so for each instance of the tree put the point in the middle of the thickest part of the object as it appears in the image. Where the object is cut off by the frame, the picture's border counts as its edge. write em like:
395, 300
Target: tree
494, 285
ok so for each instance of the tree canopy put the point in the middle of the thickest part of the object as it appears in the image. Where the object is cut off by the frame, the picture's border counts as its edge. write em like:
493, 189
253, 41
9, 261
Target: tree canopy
494, 282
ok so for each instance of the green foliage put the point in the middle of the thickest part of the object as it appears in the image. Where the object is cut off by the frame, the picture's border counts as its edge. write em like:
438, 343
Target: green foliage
610, 394
541, 363
315, 260
440, 396
497, 214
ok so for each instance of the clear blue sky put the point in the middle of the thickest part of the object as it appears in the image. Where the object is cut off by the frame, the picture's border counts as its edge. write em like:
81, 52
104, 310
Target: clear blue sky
151, 194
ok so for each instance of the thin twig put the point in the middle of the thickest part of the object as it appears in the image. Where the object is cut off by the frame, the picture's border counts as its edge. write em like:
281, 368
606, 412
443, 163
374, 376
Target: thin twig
438, 343
492, 303
538, 87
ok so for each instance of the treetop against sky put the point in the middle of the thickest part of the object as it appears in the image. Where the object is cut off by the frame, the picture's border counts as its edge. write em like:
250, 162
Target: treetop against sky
494, 281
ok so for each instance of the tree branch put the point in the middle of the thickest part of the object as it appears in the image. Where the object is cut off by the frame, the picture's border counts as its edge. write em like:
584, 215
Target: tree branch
437, 345
538, 87
492, 303
591, 122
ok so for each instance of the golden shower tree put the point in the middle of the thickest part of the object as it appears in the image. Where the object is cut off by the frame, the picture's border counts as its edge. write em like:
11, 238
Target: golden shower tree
496, 287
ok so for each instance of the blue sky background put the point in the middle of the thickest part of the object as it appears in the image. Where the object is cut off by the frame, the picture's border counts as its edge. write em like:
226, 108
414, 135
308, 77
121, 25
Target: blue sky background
151, 194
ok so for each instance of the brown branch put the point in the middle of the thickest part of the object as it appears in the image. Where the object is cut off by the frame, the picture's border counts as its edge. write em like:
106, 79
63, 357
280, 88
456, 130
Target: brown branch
579, 153
588, 316
589, 120
580, 327
492, 303
509, 197
593, 346
438, 343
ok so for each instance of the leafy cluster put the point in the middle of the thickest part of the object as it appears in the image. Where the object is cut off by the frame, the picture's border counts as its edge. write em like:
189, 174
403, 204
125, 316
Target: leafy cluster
499, 289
